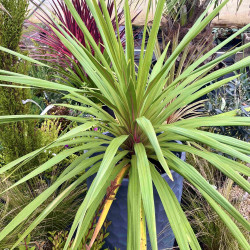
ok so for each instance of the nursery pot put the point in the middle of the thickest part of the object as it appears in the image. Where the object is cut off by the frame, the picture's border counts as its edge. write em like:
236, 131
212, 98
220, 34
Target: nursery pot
118, 214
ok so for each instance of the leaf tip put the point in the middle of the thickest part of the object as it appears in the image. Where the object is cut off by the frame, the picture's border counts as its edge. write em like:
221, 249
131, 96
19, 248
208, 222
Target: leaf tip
170, 176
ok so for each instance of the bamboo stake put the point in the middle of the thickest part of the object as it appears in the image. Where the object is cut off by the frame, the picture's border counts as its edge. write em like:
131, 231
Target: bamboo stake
116, 184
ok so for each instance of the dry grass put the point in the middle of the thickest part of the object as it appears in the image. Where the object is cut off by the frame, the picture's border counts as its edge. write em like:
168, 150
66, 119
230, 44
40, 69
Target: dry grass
14, 200
211, 231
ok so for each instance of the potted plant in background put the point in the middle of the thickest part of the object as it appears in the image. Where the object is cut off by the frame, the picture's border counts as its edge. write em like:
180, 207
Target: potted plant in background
141, 106
54, 51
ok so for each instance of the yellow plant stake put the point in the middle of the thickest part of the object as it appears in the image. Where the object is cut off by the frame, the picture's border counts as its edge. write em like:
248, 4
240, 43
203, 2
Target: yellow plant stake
114, 188
143, 231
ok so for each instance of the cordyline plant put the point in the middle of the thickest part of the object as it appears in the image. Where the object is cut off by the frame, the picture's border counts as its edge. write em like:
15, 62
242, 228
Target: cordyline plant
140, 104
56, 51
47, 35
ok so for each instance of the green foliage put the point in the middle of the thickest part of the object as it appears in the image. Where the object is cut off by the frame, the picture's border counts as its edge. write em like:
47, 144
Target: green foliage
11, 27
2, 162
20, 138
25, 136
14, 201
234, 95
43, 97
221, 34
49, 133
175, 26
209, 229
25, 244
58, 239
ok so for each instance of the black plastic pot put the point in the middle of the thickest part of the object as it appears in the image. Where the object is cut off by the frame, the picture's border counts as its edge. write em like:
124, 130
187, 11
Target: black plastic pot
118, 214
109, 111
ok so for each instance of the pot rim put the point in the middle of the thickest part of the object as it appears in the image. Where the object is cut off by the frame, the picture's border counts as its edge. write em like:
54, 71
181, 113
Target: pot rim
183, 157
